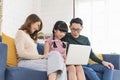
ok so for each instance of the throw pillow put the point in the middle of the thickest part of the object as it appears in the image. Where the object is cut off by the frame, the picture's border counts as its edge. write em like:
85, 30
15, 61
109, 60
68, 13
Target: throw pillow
99, 56
11, 56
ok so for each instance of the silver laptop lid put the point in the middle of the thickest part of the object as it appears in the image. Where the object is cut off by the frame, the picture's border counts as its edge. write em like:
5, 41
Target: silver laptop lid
78, 54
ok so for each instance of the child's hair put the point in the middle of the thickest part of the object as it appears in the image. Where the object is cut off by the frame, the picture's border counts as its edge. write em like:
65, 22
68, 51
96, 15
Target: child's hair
62, 26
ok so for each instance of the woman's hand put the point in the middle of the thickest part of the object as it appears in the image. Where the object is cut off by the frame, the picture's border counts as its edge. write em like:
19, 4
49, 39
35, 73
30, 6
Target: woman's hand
42, 56
108, 65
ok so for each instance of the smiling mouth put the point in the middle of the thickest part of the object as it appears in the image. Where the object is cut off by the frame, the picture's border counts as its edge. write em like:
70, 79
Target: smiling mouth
75, 35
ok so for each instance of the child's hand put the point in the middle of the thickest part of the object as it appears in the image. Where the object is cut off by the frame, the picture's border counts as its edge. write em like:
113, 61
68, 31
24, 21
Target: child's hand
64, 59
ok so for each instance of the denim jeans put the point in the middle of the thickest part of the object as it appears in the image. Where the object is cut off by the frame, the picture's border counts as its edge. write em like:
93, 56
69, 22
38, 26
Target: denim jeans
91, 69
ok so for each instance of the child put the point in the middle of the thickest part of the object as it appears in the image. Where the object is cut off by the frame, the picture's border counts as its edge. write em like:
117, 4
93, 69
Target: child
54, 43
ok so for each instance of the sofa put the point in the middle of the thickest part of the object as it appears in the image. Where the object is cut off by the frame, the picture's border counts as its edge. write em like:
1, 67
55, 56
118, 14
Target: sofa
20, 73
115, 60
17, 73
0, 39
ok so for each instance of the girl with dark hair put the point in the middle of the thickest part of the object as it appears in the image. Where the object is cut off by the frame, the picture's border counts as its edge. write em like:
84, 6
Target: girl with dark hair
26, 46
62, 27
55, 43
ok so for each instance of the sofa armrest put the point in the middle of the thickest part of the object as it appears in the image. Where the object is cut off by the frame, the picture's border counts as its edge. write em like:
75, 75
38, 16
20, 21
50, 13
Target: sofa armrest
0, 38
3, 56
21, 73
114, 59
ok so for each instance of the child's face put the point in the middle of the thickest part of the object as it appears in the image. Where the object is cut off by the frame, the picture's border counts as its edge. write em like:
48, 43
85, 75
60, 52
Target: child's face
59, 34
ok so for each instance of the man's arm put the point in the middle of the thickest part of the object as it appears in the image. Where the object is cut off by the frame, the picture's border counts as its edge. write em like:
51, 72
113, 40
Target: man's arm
92, 55
95, 58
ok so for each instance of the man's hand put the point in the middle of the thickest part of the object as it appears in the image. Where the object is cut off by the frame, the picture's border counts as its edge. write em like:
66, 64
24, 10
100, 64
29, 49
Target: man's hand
108, 65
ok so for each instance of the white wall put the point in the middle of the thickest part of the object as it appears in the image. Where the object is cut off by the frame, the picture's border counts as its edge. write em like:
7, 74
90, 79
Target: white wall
53, 10
36, 8
15, 13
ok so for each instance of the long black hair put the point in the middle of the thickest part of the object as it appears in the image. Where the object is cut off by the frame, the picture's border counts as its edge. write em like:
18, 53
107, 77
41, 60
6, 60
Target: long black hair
62, 26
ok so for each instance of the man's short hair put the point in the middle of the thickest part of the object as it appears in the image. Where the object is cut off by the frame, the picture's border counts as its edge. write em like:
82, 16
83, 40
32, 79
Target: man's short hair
76, 20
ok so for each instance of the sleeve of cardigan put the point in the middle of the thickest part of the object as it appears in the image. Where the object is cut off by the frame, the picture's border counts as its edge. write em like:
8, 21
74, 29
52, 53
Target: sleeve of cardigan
19, 43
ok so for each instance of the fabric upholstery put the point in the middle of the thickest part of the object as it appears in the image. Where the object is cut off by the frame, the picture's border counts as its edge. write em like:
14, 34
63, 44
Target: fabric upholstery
0, 38
3, 54
20, 73
40, 48
116, 75
114, 59
11, 56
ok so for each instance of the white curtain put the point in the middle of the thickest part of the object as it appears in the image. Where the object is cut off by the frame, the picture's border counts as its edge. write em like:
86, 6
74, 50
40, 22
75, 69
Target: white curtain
101, 23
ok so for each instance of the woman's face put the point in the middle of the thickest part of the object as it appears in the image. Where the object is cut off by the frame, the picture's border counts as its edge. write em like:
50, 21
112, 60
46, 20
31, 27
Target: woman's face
59, 34
35, 26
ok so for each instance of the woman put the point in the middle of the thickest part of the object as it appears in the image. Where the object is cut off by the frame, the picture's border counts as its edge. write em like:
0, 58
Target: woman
26, 45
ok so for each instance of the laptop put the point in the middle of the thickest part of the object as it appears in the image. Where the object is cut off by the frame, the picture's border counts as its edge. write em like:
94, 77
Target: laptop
78, 54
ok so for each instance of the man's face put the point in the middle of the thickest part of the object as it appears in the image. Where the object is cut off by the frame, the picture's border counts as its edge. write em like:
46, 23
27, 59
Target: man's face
75, 29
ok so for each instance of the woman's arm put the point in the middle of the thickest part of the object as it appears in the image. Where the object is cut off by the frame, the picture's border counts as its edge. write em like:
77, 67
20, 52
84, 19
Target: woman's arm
20, 47
46, 48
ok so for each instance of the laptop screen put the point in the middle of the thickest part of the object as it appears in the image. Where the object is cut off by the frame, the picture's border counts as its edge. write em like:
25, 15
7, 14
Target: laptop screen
78, 54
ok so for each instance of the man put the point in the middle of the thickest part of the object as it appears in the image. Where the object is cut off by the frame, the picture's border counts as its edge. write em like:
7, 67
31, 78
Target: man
75, 38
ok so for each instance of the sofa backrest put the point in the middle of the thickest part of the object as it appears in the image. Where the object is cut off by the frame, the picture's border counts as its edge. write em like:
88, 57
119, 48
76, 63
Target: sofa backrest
40, 48
114, 59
